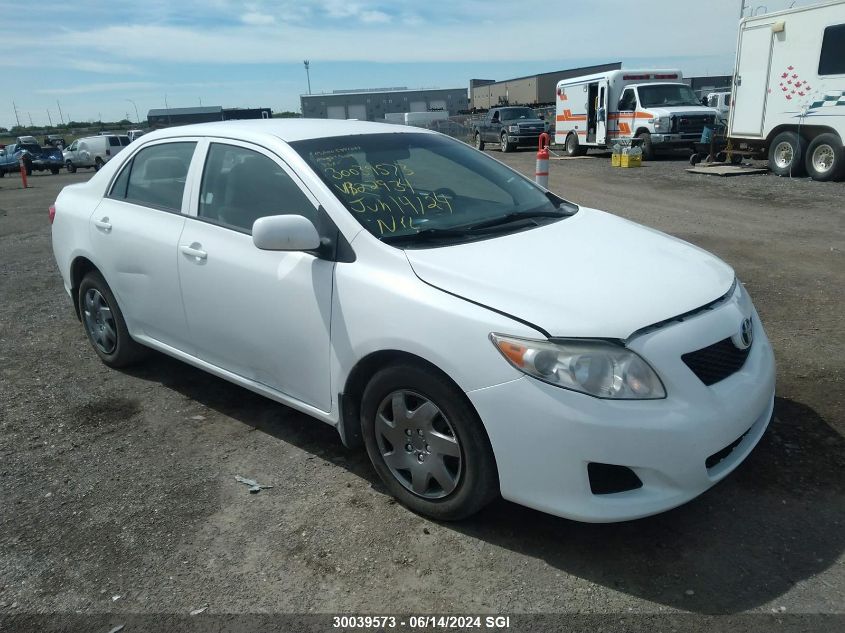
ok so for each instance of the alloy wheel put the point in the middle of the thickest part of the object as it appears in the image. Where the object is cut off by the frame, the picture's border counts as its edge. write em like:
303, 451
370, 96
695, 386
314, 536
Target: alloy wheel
418, 444
99, 321
784, 154
823, 158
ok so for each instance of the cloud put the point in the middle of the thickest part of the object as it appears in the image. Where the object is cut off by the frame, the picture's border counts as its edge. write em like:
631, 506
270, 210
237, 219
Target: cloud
94, 88
106, 68
374, 17
254, 18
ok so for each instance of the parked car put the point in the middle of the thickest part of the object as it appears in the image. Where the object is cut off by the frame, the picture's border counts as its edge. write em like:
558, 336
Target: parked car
54, 140
93, 151
134, 134
476, 332
721, 102
511, 127
34, 157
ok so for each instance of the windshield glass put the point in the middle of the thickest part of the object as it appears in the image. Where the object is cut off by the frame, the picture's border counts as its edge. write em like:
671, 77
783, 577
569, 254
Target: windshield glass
406, 183
512, 114
667, 95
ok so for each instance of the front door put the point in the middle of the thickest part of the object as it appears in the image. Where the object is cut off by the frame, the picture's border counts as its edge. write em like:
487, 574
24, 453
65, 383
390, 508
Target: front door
263, 315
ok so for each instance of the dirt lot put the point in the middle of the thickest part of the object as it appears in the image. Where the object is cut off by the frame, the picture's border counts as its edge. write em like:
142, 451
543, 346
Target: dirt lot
118, 497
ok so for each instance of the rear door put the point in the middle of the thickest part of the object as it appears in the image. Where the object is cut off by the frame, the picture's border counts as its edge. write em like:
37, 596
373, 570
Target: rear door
135, 233
263, 315
601, 115
752, 81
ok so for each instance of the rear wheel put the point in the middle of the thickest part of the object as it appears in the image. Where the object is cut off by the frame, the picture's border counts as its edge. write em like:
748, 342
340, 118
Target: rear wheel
825, 158
104, 324
71, 168
54, 170
786, 155
427, 443
573, 147
479, 143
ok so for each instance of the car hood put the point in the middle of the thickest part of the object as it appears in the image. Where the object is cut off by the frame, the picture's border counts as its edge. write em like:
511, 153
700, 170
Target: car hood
589, 275
681, 110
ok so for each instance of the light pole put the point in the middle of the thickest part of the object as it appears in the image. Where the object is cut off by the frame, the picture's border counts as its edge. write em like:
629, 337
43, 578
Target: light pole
137, 118
308, 74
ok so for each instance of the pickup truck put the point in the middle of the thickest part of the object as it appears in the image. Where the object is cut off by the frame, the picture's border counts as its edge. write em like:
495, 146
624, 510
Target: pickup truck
35, 158
511, 127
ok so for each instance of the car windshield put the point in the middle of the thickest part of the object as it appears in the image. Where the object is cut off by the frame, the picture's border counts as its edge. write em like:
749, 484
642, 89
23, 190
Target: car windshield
412, 185
667, 95
513, 114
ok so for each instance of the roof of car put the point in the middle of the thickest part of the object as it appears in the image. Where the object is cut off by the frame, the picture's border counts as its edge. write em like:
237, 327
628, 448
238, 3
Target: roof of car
288, 130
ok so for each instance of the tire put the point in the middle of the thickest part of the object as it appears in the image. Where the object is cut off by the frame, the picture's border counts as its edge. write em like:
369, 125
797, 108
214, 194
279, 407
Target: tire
786, 153
646, 145
695, 159
71, 168
104, 325
505, 146
98, 163
54, 170
573, 146
825, 158
432, 411
479, 144
28, 167
736, 159
2, 172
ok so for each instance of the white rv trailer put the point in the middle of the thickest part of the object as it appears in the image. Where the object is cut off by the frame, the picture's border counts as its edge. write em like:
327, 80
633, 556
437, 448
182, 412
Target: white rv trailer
652, 105
789, 90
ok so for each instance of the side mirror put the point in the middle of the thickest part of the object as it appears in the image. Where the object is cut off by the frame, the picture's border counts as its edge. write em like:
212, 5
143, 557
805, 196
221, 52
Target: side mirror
285, 233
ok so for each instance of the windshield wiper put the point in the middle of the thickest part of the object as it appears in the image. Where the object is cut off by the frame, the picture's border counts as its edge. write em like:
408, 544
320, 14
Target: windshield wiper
515, 216
426, 234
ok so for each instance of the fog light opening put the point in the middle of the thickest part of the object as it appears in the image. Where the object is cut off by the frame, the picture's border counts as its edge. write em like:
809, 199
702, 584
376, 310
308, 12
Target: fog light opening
607, 479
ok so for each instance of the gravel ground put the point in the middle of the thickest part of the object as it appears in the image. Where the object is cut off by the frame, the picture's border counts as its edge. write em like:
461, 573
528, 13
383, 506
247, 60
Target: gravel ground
118, 492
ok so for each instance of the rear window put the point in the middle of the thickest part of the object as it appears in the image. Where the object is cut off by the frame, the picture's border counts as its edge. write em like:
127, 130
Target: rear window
832, 60
124, 140
156, 176
114, 141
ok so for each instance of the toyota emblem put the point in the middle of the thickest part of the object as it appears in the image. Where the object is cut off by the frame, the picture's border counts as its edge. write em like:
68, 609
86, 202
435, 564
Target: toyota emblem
745, 336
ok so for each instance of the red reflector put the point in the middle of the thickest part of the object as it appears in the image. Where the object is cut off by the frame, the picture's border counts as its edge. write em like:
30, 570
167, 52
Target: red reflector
666, 76
52, 212
634, 77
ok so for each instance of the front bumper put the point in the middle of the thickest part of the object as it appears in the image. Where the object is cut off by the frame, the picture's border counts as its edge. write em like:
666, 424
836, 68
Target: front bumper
524, 139
680, 140
544, 437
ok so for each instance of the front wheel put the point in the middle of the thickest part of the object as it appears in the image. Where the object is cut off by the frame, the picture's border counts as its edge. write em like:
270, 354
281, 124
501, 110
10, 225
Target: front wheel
54, 170
786, 155
506, 147
71, 168
646, 145
573, 147
825, 158
104, 324
427, 443
479, 143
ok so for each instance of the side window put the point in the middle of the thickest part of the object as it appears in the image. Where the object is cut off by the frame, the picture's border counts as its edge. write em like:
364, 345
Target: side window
156, 176
72, 147
832, 60
628, 101
240, 185
114, 141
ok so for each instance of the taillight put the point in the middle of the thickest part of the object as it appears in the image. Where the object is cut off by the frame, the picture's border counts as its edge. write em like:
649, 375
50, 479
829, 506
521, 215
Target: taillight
52, 212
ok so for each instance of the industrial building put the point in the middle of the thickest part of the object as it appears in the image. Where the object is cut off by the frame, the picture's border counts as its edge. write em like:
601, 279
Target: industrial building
166, 117
373, 104
531, 90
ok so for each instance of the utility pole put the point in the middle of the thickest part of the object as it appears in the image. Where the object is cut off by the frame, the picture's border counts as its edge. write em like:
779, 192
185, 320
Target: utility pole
49, 118
17, 118
308, 74
31, 124
137, 118
61, 116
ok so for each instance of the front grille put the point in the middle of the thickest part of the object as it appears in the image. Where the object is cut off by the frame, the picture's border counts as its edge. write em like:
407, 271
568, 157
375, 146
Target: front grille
716, 362
691, 124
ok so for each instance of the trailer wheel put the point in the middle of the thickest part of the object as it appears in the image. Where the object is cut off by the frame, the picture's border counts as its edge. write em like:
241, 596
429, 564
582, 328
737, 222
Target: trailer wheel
786, 154
825, 158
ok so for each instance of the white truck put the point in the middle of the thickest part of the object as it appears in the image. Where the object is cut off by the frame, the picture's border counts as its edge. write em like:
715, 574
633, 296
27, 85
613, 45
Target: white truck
654, 106
721, 102
789, 90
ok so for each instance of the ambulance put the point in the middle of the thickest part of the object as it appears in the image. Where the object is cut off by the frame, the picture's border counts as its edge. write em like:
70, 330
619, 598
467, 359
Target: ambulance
654, 106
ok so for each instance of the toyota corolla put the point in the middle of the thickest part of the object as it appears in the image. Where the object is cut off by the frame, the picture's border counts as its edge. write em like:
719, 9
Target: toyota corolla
480, 335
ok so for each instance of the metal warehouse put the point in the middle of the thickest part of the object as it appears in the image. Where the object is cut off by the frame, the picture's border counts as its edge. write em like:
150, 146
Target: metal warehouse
165, 117
372, 105
529, 90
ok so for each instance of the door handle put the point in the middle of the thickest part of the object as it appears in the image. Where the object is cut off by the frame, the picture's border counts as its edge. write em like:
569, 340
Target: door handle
103, 223
194, 250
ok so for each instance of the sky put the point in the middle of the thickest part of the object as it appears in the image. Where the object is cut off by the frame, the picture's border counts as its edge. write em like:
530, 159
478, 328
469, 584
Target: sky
107, 59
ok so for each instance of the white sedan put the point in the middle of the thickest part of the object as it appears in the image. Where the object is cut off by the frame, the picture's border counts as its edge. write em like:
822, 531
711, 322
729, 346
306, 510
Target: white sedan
477, 333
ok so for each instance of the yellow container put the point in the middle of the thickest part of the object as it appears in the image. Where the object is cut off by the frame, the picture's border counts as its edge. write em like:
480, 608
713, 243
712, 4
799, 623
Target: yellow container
626, 160
615, 160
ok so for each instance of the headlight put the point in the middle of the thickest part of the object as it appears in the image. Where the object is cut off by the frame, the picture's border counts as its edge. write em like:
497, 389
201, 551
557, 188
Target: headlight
513, 128
661, 123
596, 368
